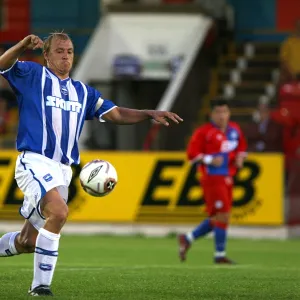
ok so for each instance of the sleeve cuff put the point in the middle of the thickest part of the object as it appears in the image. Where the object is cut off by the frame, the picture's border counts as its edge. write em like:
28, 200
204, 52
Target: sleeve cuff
207, 159
100, 117
195, 159
7, 70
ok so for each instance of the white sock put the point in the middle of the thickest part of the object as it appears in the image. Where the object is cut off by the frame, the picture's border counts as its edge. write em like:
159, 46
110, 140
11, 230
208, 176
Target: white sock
190, 237
45, 257
7, 244
220, 254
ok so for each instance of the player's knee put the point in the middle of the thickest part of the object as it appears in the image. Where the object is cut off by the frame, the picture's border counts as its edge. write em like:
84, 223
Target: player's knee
26, 243
60, 216
222, 218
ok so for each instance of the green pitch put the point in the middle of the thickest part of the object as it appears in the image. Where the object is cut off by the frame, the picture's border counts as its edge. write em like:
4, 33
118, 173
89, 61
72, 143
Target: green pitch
97, 267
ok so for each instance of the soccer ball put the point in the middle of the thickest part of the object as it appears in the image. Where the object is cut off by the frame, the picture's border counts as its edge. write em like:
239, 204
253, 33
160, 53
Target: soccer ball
98, 178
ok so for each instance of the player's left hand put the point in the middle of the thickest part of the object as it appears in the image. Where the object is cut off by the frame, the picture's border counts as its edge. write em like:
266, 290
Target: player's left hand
164, 117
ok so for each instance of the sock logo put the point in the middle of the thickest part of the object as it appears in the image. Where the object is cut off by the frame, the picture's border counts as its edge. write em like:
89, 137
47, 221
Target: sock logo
45, 267
8, 252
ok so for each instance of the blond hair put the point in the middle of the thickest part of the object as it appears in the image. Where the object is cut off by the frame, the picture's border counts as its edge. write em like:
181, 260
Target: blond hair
54, 35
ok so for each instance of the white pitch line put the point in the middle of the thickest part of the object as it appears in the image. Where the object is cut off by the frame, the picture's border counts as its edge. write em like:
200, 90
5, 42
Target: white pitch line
170, 267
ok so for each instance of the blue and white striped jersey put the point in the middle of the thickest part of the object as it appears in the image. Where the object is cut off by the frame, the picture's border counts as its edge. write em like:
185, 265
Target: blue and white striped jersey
52, 111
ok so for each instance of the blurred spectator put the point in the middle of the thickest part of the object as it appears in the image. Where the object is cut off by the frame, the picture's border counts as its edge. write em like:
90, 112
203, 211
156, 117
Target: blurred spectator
290, 56
3, 83
8, 112
5, 89
289, 118
4, 117
264, 134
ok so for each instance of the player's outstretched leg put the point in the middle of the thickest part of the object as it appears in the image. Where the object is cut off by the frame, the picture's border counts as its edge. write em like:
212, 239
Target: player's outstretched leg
7, 244
55, 211
15, 243
185, 240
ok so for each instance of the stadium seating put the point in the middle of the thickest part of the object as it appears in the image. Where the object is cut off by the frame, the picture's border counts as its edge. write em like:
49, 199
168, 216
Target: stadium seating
245, 73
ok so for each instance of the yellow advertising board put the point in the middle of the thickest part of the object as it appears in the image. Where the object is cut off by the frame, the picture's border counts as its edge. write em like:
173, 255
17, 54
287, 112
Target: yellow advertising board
161, 187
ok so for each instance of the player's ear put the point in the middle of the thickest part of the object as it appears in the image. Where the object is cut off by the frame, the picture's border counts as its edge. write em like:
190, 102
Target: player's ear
46, 60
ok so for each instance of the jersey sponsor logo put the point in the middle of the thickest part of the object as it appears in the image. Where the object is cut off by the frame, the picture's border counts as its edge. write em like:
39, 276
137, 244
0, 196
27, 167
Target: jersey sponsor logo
228, 146
62, 104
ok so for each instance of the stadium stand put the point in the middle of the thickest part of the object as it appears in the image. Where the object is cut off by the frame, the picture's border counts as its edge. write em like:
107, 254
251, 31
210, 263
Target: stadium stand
245, 73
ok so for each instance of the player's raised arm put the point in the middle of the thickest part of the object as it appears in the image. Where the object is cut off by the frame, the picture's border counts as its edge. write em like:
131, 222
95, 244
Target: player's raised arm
123, 116
8, 58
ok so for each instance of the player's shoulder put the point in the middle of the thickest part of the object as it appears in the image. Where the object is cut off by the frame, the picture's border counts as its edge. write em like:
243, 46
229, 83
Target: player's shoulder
25, 68
29, 64
81, 86
205, 126
79, 83
91, 93
234, 125
75, 81
203, 130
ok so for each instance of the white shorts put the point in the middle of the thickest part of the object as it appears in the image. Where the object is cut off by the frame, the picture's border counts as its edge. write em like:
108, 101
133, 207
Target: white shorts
36, 175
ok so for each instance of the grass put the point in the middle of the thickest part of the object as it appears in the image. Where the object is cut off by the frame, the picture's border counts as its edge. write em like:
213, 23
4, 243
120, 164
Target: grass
98, 267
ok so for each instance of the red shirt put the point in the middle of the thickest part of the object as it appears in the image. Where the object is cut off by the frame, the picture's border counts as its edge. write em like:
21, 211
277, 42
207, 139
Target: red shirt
210, 140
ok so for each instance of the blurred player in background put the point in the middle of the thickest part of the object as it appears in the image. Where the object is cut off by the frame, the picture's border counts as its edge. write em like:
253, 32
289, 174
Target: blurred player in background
52, 110
218, 148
